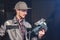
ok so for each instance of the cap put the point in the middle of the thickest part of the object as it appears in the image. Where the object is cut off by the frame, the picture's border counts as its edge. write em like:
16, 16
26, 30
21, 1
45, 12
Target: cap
21, 5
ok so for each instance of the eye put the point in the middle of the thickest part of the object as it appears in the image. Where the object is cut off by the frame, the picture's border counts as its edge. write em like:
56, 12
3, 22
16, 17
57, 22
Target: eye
24, 10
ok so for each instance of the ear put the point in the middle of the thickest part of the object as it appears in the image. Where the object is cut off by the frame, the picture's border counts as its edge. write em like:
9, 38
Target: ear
16, 11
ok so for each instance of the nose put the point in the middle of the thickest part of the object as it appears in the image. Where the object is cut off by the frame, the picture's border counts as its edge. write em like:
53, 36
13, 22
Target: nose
25, 13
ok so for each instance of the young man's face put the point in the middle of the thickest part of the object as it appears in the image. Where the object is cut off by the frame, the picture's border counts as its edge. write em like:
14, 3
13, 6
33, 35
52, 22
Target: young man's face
41, 33
21, 13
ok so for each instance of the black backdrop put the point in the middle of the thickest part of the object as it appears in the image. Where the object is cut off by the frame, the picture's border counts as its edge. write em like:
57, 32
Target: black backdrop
48, 9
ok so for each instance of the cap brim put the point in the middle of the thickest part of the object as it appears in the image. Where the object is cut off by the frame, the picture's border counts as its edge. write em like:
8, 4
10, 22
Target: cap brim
29, 8
23, 8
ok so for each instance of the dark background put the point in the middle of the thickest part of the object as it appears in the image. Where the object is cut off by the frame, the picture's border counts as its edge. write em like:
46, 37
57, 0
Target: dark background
48, 9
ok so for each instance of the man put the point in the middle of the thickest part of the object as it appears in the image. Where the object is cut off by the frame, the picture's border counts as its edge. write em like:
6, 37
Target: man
16, 28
